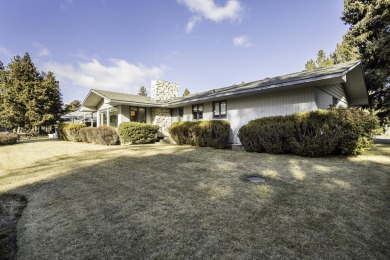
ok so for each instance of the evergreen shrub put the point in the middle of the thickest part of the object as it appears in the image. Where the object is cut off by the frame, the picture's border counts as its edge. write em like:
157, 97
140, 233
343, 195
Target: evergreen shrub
137, 133
207, 133
337, 131
8, 138
106, 135
181, 132
70, 132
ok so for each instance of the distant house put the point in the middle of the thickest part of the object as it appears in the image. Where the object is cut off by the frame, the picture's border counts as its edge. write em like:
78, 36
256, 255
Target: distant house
79, 117
338, 85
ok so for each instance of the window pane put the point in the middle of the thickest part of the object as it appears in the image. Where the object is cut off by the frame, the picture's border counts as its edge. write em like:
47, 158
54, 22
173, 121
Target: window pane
223, 108
133, 114
200, 114
216, 109
142, 115
200, 107
114, 117
195, 111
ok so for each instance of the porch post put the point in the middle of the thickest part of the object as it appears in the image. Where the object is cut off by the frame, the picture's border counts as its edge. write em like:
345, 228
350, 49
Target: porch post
119, 115
108, 116
91, 119
98, 118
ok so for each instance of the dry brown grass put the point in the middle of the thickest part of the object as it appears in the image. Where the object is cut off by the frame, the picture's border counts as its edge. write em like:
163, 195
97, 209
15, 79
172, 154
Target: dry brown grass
159, 202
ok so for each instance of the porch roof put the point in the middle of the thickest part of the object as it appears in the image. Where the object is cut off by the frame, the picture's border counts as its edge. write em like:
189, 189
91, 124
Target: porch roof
96, 96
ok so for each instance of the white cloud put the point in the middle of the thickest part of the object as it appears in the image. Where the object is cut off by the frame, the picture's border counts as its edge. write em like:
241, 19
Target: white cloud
120, 76
65, 4
42, 49
192, 22
209, 10
5, 52
242, 41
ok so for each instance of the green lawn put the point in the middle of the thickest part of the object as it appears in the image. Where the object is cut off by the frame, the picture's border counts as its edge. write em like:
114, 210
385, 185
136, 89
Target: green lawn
180, 202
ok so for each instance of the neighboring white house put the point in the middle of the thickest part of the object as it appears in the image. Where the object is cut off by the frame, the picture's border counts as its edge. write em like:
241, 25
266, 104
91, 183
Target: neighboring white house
340, 85
79, 117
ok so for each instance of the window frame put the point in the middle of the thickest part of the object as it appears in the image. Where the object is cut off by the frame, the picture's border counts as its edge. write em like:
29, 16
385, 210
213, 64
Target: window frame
138, 115
198, 115
219, 109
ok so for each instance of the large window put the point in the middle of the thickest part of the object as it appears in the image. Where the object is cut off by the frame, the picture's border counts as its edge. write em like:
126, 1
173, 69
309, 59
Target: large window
114, 117
177, 114
138, 114
219, 109
197, 111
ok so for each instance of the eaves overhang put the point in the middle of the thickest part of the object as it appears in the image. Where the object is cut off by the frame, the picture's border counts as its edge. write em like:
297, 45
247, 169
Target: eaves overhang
266, 88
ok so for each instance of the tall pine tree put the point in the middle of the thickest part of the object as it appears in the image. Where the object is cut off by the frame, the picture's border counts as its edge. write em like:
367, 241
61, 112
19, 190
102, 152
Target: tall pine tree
28, 98
186, 92
369, 23
142, 91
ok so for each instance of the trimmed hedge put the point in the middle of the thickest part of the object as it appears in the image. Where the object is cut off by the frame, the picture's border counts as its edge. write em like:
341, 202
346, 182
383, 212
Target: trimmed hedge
137, 133
106, 135
70, 132
8, 138
337, 131
181, 132
207, 133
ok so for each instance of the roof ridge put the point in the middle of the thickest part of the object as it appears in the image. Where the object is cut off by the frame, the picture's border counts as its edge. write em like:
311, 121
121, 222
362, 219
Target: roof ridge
115, 92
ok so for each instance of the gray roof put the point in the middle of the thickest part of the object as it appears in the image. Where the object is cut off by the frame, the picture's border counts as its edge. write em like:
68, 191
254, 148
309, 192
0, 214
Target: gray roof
121, 96
336, 73
305, 76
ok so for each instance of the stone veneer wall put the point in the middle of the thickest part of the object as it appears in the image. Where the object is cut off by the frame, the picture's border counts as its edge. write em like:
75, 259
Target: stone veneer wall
161, 91
164, 90
162, 118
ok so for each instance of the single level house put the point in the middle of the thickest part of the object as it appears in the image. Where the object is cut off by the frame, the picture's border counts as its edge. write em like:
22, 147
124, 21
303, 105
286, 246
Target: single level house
338, 85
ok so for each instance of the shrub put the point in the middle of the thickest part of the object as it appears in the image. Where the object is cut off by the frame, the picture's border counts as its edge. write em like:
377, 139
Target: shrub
181, 132
357, 130
314, 133
137, 133
268, 134
8, 138
317, 133
211, 133
208, 133
70, 132
88, 135
106, 135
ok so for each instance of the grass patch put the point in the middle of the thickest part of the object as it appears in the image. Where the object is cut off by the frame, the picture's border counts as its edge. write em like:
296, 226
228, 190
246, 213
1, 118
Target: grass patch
158, 202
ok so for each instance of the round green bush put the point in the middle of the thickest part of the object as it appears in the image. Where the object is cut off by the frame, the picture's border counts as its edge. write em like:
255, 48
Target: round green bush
207, 133
137, 133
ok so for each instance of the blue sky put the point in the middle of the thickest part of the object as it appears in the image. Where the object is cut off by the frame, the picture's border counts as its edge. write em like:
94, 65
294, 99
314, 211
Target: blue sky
120, 45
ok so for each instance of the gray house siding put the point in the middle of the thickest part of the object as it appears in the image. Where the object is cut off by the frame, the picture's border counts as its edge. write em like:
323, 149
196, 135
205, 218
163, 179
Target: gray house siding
123, 114
242, 110
325, 96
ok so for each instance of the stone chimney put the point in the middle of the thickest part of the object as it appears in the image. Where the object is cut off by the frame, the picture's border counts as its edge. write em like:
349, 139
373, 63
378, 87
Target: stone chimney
164, 90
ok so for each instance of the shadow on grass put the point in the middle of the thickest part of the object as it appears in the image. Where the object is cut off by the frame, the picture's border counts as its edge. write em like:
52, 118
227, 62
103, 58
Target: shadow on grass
184, 202
11, 207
